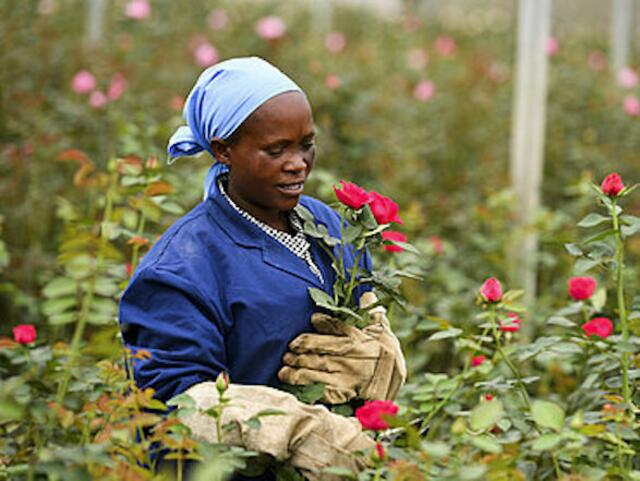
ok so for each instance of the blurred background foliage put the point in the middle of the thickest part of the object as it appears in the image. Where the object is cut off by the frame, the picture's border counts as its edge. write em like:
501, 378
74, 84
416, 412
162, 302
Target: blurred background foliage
415, 103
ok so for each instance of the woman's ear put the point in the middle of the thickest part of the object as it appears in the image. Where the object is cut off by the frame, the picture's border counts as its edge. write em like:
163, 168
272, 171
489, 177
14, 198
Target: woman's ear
220, 150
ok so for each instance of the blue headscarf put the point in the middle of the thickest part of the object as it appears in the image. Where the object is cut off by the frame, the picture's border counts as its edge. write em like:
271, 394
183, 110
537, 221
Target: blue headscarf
222, 98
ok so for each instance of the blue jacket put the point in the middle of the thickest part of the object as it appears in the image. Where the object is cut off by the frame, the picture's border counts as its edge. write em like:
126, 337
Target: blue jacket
216, 293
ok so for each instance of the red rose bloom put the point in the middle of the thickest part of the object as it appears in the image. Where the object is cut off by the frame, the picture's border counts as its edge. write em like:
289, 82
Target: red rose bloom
612, 185
24, 333
393, 236
491, 290
384, 209
478, 360
598, 326
370, 414
512, 324
352, 195
581, 288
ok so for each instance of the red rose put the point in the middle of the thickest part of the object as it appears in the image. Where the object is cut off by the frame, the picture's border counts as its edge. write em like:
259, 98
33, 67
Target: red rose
612, 185
393, 236
491, 290
352, 195
379, 452
598, 326
384, 209
477, 360
581, 288
488, 397
370, 414
24, 333
512, 324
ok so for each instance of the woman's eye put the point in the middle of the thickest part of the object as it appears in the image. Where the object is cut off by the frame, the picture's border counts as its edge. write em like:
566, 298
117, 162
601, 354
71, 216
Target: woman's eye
275, 152
308, 145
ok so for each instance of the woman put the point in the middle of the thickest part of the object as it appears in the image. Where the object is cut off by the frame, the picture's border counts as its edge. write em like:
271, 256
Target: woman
225, 288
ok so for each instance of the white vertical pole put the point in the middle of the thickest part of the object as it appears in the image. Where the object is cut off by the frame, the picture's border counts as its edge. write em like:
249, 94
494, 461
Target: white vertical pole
95, 17
527, 138
620, 34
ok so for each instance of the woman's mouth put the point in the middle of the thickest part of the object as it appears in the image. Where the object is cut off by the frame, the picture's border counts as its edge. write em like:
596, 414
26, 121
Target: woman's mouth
291, 189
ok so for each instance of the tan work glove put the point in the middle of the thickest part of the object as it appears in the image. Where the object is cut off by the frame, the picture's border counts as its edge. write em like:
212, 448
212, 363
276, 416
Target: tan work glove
310, 438
351, 362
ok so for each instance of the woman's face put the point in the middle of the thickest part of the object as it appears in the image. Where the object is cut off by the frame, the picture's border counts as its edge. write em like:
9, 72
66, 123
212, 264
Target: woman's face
271, 158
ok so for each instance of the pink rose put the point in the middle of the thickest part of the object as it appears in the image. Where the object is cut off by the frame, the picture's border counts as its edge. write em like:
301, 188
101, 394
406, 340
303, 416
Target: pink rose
205, 55
352, 195
632, 105
117, 87
491, 290
98, 99
581, 288
552, 46
138, 9
446, 46
335, 42
271, 28
24, 333
627, 78
511, 324
612, 185
478, 360
332, 82
425, 89
598, 326
83, 82
392, 235
370, 414
384, 209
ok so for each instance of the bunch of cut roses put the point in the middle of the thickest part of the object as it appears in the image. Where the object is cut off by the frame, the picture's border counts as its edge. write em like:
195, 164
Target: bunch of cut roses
366, 218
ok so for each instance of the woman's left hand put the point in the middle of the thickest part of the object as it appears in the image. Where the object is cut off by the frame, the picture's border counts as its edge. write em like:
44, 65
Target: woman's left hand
351, 362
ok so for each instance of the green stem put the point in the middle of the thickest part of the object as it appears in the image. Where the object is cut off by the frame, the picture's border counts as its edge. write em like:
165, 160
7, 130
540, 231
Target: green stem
352, 279
376, 476
626, 392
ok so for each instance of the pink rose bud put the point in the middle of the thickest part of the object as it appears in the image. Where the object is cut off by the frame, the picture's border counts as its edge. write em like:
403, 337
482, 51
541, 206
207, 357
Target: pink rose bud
271, 27
138, 9
581, 288
384, 209
332, 82
598, 326
425, 89
491, 290
222, 382
627, 78
24, 333
117, 87
335, 42
552, 46
392, 235
446, 46
511, 324
98, 99
612, 185
632, 105
83, 82
478, 360
352, 195
206, 55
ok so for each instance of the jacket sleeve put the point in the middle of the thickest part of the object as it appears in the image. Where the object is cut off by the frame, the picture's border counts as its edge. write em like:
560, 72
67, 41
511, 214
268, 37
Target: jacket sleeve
169, 317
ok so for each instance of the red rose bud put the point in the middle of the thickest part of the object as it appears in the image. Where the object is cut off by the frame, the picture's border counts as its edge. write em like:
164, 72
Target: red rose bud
436, 244
512, 324
24, 333
598, 326
370, 414
488, 397
222, 382
392, 235
491, 290
612, 185
478, 360
352, 195
378, 454
384, 209
581, 288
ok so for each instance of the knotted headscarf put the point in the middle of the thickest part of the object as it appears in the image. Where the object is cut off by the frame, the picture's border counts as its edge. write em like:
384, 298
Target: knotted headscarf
222, 98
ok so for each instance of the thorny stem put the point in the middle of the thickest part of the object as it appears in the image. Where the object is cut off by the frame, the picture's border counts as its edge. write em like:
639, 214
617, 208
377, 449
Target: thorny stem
353, 277
626, 392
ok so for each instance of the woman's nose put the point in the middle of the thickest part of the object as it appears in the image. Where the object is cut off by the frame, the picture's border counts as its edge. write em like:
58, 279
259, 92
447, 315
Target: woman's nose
296, 162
